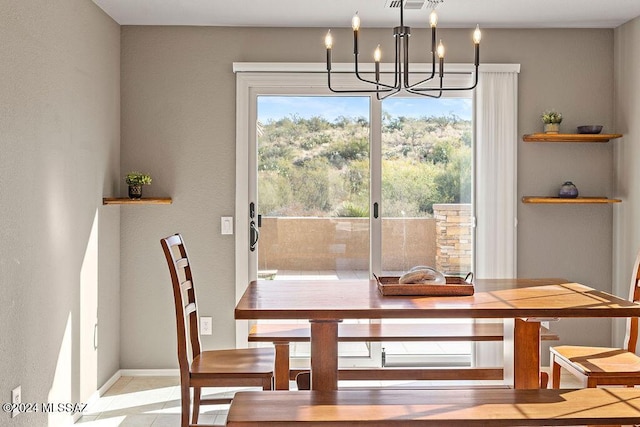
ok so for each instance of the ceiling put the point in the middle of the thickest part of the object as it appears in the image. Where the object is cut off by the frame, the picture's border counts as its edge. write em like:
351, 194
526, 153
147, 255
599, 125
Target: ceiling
373, 13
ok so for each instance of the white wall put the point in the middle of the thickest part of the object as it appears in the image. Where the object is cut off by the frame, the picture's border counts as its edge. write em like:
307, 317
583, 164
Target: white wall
627, 159
59, 247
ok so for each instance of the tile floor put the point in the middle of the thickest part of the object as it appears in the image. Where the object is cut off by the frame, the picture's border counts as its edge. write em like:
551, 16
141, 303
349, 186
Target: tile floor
148, 401
155, 401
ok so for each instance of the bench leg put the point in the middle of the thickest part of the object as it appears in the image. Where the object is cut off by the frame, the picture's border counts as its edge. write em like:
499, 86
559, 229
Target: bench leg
282, 365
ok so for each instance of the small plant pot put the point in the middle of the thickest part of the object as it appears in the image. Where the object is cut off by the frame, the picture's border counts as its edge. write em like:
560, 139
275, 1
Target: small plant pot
552, 128
135, 191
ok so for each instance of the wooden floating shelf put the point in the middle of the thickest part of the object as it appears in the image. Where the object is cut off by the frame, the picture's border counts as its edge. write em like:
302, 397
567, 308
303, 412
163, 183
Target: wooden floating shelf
570, 137
143, 201
562, 200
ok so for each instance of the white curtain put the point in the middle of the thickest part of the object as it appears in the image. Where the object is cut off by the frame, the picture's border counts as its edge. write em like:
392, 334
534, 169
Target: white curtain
496, 174
496, 189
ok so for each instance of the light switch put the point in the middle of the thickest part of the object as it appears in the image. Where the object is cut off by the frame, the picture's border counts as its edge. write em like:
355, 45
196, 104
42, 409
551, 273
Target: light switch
226, 225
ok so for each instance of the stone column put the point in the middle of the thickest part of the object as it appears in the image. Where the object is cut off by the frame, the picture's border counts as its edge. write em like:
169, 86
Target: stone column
454, 238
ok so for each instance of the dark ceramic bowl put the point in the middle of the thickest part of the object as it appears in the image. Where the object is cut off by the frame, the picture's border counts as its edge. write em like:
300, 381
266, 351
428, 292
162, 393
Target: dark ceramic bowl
590, 129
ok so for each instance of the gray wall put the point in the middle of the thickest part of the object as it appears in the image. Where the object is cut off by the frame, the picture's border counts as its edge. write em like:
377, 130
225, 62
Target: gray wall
59, 154
627, 159
178, 123
63, 255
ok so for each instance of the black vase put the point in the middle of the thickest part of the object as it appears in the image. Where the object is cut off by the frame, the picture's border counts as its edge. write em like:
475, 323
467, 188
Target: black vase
135, 191
568, 191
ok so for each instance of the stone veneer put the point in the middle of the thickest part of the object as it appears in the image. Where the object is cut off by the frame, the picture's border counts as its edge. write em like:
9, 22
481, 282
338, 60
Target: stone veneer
454, 237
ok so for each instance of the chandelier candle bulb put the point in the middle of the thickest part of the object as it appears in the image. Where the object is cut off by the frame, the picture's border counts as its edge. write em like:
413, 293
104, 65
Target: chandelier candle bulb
477, 36
440, 50
355, 24
433, 19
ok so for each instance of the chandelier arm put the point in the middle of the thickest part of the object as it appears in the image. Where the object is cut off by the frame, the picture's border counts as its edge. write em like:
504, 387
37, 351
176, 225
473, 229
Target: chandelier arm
421, 82
362, 79
433, 62
405, 36
355, 90
405, 58
430, 95
397, 68
442, 88
382, 98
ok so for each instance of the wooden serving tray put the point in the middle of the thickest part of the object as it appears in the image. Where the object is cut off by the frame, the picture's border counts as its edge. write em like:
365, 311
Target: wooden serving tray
456, 286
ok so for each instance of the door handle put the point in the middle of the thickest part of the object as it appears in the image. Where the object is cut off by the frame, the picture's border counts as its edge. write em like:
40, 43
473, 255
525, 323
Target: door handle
375, 210
254, 235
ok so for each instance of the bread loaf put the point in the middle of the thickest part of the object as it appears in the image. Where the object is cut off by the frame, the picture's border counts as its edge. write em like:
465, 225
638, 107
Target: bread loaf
423, 275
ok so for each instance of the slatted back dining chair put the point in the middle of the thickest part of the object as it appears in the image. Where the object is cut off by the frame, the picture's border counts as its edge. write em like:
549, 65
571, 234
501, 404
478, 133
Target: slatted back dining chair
596, 366
249, 367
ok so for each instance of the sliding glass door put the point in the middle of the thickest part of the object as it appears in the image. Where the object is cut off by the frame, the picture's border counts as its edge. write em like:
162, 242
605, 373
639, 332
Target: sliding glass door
347, 186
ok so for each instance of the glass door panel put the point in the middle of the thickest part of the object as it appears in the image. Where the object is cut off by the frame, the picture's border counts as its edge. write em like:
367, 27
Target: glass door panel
313, 186
427, 217
313, 192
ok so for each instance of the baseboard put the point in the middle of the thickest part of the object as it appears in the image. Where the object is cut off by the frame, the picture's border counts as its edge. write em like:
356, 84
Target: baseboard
150, 372
99, 393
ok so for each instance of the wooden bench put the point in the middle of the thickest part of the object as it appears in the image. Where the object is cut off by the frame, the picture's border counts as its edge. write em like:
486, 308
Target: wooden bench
281, 335
451, 408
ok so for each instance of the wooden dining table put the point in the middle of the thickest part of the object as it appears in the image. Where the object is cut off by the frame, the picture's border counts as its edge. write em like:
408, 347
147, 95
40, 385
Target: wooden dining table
521, 303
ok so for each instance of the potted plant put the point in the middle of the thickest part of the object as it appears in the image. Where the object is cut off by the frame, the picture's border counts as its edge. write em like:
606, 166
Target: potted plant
135, 181
551, 120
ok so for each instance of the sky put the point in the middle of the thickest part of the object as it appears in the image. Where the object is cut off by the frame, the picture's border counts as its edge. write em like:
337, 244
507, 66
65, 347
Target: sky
332, 107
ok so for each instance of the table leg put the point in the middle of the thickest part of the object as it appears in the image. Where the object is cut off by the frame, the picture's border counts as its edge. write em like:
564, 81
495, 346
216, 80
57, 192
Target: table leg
282, 365
526, 354
324, 354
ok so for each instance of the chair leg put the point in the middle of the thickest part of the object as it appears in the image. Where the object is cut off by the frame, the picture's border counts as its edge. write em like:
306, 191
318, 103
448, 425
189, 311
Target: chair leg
303, 380
544, 379
555, 373
267, 383
185, 397
196, 405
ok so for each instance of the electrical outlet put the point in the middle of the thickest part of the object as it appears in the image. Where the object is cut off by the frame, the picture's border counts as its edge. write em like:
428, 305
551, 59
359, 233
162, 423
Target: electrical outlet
206, 325
16, 399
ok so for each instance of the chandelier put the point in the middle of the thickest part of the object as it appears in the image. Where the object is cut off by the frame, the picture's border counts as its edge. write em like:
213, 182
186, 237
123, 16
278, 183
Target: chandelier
401, 74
